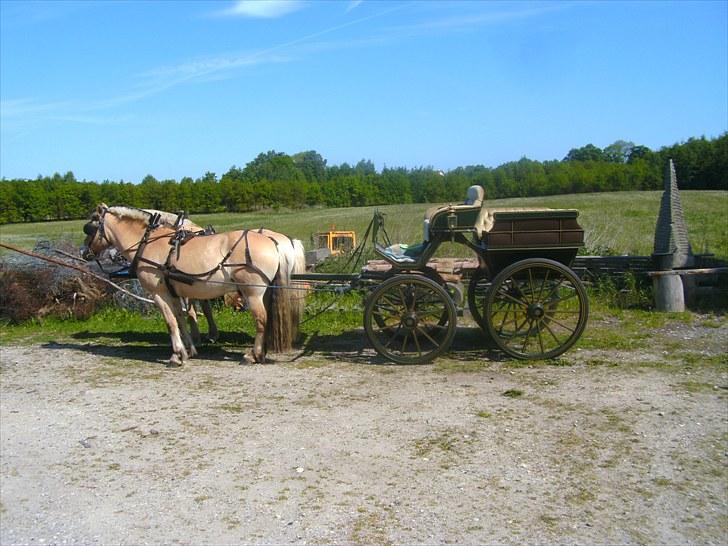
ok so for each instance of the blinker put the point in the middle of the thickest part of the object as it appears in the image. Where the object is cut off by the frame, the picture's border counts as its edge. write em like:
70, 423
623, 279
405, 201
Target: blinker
90, 228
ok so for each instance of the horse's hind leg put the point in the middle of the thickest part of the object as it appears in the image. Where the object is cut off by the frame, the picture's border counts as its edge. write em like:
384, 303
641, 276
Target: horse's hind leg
212, 333
166, 306
192, 322
179, 314
257, 309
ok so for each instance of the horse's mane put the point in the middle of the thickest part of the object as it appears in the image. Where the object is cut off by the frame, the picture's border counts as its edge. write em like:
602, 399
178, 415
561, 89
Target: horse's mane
144, 215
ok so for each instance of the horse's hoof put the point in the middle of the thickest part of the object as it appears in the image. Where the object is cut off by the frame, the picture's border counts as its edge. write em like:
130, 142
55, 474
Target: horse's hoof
192, 352
248, 359
174, 362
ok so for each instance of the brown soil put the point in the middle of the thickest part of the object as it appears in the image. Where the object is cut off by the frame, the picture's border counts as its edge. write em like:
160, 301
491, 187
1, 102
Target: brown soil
105, 445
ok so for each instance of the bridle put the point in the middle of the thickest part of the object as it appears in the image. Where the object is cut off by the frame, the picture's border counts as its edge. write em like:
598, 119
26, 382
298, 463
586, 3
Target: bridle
96, 227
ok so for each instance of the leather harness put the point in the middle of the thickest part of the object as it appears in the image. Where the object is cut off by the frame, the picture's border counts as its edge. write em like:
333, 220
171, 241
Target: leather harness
179, 239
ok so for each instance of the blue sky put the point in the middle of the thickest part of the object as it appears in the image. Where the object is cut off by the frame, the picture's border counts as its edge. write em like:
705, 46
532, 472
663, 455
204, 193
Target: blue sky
119, 90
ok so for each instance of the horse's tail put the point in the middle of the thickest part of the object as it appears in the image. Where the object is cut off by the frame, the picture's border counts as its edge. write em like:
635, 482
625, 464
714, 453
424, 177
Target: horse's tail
283, 315
299, 256
299, 266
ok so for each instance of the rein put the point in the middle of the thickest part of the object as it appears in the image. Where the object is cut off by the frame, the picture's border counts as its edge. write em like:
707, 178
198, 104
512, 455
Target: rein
83, 270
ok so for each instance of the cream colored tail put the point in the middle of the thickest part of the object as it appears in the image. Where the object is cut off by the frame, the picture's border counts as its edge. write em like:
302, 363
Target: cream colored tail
283, 315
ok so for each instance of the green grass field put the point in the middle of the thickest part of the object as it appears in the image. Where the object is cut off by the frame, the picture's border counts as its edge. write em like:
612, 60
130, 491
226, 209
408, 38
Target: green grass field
619, 222
622, 222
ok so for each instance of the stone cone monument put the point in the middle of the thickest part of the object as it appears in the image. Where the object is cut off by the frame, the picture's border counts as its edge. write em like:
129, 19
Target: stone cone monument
672, 247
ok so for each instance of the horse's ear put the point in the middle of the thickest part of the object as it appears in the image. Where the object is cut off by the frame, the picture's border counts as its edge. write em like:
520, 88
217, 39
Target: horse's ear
101, 208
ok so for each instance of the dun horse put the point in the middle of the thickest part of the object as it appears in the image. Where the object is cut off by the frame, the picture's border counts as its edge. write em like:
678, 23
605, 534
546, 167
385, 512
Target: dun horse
201, 268
296, 258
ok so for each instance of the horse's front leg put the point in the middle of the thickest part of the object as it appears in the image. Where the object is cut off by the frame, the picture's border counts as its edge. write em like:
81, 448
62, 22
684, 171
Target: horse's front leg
258, 310
212, 333
166, 306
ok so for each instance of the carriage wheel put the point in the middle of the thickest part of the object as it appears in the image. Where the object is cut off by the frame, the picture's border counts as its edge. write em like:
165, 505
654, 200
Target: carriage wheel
410, 319
536, 309
477, 293
454, 290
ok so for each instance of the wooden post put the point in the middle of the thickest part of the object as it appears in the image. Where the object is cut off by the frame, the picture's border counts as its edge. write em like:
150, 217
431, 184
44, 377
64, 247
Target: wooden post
669, 293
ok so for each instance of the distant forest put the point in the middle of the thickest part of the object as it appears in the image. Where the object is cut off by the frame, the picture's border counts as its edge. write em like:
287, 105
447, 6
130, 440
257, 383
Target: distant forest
274, 180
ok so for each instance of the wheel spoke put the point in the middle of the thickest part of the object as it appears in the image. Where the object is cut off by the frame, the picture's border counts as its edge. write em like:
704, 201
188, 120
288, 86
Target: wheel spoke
514, 300
556, 339
435, 314
424, 333
404, 342
540, 339
402, 297
530, 283
543, 284
386, 301
555, 288
417, 342
387, 313
525, 339
566, 298
393, 336
564, 326
505, 317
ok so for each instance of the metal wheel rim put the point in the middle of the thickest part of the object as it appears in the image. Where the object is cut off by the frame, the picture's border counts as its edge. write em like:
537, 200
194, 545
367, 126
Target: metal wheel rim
404, 322
536, 309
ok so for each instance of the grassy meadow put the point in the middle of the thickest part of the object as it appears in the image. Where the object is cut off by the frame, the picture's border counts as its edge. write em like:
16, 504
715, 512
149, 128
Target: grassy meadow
620, 222
616, 222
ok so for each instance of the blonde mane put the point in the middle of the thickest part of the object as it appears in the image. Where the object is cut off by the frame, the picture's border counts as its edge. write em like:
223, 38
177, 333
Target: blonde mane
144, 215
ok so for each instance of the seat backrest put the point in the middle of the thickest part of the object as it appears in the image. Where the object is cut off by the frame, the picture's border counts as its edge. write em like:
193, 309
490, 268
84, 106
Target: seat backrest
476, 195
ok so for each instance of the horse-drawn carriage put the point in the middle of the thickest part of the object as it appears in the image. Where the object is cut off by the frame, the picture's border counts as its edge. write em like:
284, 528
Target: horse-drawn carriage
522, 294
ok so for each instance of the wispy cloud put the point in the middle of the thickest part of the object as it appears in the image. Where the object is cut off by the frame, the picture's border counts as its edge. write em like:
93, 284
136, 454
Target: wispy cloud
163, 78
473, 20
353, 4
149, 83
264, 9
153, 82
204, 69
19, 108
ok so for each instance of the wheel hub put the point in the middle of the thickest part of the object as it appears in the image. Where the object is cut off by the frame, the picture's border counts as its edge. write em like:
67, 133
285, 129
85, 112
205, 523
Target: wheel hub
409, 321
535, 311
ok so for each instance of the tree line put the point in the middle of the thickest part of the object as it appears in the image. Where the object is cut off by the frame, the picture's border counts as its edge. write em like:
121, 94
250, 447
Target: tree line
274, 180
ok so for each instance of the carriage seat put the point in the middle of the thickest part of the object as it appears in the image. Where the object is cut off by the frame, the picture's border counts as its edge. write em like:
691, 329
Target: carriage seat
454, 218
401, 253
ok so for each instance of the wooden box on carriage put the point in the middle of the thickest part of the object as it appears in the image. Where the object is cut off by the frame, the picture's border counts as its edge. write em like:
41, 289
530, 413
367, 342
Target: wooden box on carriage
547, 233
534, 228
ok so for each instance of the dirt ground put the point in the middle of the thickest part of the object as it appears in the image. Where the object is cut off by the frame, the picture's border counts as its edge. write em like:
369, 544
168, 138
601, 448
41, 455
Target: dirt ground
101, 444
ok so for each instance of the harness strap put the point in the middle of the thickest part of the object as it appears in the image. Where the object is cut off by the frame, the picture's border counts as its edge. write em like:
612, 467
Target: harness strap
151, 226
171, 273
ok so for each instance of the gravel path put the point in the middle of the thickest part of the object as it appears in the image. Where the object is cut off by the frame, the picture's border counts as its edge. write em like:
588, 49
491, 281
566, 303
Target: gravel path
104, 445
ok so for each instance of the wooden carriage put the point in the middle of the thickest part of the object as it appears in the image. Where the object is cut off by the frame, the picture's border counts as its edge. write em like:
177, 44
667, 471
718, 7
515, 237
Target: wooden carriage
523, 293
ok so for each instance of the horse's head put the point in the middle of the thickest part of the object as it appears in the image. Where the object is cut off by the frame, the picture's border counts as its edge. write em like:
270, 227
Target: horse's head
96, 240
